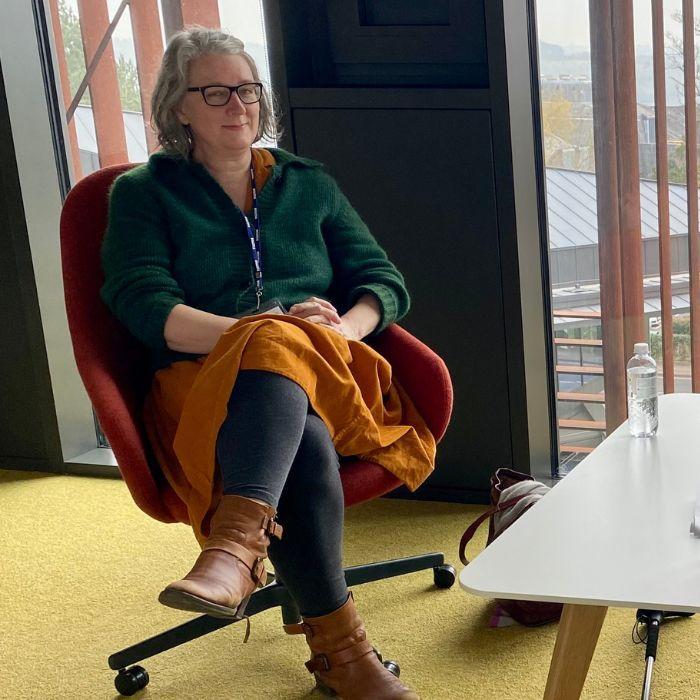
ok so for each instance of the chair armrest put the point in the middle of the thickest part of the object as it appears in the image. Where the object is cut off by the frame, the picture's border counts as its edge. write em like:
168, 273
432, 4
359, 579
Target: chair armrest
421, 372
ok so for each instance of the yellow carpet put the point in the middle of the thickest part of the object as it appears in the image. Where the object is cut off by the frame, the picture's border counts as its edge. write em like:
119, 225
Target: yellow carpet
81, 566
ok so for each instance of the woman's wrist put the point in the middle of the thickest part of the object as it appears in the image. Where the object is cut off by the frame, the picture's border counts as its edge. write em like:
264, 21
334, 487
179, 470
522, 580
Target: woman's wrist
192, 330
364, 316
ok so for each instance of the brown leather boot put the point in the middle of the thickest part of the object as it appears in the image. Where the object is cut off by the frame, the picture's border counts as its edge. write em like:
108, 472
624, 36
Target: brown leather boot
230, 565
344, 661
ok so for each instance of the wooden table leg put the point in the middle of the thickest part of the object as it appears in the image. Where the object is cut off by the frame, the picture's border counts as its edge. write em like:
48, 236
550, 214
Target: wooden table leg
576, 641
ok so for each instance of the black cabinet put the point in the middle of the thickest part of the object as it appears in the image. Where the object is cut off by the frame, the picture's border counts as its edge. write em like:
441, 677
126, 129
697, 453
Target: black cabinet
411, 119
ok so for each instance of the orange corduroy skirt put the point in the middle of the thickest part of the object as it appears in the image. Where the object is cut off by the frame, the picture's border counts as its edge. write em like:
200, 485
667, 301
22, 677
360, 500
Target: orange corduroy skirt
348, 383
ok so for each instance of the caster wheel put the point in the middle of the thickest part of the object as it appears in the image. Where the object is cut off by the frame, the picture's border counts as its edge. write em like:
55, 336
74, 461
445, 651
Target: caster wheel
444, 576
392, 667
131, 680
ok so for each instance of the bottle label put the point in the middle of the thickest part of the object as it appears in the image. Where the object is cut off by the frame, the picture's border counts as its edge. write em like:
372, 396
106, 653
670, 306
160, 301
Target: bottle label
646, 388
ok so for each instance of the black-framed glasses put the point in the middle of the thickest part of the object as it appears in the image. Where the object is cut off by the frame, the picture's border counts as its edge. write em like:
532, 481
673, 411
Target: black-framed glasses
219, 95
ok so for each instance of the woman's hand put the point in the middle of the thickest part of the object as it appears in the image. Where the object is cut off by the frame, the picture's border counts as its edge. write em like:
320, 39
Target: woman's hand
324, 313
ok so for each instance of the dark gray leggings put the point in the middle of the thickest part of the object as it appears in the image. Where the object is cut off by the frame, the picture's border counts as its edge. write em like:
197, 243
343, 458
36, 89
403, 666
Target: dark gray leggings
274, 448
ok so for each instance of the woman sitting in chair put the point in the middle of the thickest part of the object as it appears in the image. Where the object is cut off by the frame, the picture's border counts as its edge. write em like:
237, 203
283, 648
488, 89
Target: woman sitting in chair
250, 413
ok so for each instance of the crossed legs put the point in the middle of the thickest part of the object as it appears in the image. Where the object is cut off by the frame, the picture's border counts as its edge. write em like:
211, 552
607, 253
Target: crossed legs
277, 458
273, 448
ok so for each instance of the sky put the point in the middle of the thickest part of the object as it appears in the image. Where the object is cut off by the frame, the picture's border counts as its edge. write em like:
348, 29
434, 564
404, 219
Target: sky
243, 18
565, 22
562, 22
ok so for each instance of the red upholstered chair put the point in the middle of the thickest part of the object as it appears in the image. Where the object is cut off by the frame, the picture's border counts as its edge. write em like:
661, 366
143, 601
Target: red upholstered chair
114, 368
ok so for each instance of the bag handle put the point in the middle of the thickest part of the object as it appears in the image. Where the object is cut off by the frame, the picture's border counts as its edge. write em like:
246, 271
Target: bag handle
471, 530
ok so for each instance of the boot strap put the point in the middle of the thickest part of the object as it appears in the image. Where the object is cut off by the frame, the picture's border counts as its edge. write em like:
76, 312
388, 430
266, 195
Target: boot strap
259, 574
321, 663
254, 564
299, 628
306, 627
272, 527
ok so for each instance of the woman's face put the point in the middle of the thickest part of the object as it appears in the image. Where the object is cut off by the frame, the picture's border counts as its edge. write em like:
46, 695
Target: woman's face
228, 128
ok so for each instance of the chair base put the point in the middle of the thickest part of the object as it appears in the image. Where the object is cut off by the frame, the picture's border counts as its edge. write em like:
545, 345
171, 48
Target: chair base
271, 596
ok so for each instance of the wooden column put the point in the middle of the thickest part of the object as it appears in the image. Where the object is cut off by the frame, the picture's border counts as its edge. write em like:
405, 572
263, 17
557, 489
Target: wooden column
691, 157
660, 129
65, 87
172, 17
628, 174
609, 247
104, 87
202, 12
148, 44
182, 13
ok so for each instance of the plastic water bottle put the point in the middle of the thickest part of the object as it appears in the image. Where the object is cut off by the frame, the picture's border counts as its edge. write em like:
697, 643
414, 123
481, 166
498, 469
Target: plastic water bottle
642, 394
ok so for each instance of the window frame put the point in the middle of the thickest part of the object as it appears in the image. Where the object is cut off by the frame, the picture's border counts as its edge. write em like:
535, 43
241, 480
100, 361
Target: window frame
531, 225
37, 118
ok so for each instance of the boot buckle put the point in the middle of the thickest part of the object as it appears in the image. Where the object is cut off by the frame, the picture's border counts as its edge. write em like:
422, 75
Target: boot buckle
272, 527
318, 664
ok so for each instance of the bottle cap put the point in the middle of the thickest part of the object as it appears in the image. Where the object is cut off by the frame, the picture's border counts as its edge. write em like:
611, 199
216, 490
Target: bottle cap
641, 348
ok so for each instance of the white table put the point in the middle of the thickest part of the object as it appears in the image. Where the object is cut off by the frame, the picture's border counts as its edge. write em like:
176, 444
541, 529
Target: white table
614, 532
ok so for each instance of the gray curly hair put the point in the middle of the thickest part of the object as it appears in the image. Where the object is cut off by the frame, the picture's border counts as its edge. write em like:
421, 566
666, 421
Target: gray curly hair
171, 86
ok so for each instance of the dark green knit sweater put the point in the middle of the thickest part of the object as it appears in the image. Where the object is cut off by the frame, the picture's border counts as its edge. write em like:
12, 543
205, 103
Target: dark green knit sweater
175, 237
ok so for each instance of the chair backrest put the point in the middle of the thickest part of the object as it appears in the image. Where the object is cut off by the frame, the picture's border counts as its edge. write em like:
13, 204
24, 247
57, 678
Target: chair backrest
114, 365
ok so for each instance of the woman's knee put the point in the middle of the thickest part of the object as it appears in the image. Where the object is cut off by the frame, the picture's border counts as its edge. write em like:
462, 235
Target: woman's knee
316, 443
316, 463
313, 492
260, 384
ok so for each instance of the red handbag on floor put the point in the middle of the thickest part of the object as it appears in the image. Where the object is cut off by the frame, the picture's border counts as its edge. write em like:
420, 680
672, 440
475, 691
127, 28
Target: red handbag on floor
512, 493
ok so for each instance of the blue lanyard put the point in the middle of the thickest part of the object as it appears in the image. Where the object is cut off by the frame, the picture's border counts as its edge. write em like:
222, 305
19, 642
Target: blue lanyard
254, 237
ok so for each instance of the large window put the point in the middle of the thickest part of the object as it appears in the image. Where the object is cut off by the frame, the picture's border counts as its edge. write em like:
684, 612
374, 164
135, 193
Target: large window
77, 78
618, 93
108, 53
